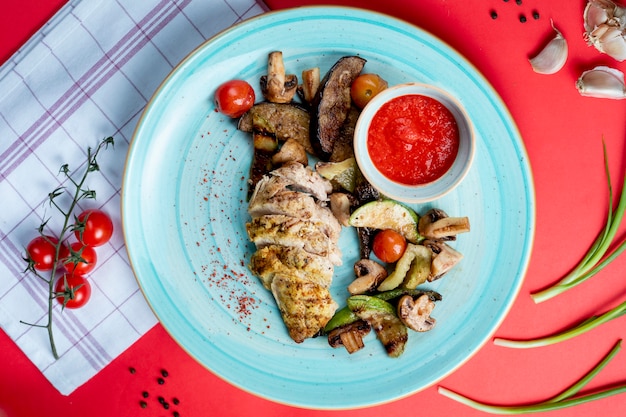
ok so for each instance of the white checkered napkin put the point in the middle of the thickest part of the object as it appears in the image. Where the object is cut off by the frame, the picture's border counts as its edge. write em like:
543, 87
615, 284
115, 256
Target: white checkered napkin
85, 76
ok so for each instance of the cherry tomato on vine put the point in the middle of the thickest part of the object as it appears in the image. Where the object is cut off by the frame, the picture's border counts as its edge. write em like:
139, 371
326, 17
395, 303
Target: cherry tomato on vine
235, 97
88, 253
41, 251
98, 228
365, 87
76, 293
388, 245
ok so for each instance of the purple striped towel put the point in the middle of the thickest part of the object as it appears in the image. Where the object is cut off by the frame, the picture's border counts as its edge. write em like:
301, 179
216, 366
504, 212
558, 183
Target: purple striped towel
86, 75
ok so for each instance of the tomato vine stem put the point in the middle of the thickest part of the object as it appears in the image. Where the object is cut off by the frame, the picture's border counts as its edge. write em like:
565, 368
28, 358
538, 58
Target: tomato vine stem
69, 224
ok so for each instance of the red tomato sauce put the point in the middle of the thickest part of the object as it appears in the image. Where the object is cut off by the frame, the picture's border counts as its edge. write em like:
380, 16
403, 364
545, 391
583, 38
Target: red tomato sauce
413, 139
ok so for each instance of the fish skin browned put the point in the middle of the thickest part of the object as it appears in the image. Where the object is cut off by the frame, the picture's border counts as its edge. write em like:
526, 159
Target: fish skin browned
278, 229
305, 306
267, 261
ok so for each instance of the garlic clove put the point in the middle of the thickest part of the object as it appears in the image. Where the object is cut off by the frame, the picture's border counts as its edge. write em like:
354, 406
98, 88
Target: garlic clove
605, 25
597, 13
613, 43
602, 82
552, 57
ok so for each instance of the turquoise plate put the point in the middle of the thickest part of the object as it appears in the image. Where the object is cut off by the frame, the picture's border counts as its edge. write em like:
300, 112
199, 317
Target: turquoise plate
184, 210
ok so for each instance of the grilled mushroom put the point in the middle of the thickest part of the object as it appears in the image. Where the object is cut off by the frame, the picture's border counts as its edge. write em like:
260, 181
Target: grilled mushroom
444, 258
436, 224
349, 335
369, 274
415, 314
276, 86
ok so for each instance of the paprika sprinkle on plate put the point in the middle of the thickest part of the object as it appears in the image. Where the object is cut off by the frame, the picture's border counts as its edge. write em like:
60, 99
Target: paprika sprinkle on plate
413, 139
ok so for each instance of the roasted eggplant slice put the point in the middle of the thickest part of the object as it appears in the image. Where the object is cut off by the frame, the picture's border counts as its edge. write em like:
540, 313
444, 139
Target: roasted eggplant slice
332, 103
285, 121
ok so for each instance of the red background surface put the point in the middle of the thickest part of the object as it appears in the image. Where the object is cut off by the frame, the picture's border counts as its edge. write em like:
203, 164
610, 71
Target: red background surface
562, 132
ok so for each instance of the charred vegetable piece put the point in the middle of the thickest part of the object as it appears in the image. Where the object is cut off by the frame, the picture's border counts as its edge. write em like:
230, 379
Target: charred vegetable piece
399, 292
285, 121
349, 336
265, 147
341, 318
332, 103
382, 317
413, 268
344, 145
388, 214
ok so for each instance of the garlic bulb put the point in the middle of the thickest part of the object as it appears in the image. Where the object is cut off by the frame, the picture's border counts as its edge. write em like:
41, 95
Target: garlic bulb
552, 57
602, 82
605, 27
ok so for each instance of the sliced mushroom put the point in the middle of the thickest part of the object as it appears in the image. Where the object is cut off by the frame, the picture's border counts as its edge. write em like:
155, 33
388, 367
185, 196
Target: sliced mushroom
436, 224
310, 83
444, 258
276, 86
369, 275
340, 206
415, 314
290, 151
349, 335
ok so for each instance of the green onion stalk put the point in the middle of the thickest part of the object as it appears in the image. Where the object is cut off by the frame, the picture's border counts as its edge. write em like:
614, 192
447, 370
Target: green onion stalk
596, 257
565, 399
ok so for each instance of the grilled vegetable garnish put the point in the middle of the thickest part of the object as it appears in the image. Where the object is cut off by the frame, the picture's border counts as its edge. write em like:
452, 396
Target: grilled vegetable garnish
331, 104
276, 86
285, 121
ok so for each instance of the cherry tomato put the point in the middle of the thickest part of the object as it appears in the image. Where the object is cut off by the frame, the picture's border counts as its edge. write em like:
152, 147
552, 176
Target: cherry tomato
41, 251
76, 293
388, 245
98, 228
235, 97
365, 87
88, 253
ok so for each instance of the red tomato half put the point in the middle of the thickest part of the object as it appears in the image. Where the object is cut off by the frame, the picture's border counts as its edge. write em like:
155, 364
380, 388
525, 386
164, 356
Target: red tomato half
41, 251
88, 253
76, 293
365, 87
98, 228
389, 245
234, 98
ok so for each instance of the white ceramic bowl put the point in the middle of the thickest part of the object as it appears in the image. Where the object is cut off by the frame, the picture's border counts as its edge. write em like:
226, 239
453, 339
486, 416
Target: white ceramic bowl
424, 192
